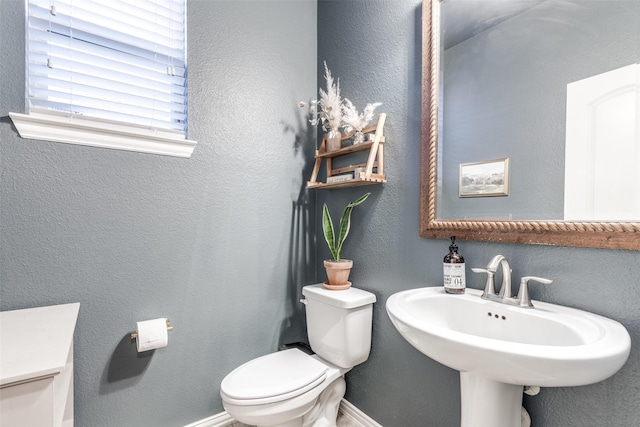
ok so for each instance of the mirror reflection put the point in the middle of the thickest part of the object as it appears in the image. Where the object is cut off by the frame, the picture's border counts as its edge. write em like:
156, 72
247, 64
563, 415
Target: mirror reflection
554, 87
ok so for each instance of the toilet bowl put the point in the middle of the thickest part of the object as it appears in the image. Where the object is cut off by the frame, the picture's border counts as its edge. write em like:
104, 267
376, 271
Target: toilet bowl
290, 388
280, 388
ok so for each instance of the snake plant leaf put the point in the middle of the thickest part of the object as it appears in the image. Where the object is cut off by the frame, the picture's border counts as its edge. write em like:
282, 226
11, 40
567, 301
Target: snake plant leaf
329, 236
345, 223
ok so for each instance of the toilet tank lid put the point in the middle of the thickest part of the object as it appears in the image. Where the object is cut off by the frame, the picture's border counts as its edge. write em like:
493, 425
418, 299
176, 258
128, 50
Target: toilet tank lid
348, 298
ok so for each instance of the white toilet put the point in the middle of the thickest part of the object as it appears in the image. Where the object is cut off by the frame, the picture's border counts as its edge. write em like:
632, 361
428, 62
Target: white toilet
290, 388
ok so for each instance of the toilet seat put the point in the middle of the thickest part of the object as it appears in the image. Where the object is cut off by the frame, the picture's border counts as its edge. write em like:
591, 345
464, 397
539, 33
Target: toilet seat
273, 378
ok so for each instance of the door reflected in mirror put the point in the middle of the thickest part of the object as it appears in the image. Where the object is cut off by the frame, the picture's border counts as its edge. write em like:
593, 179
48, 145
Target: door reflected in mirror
602, 150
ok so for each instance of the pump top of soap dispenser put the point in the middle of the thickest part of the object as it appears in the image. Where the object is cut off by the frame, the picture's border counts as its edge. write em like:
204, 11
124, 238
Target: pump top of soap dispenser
453, 247
453, 256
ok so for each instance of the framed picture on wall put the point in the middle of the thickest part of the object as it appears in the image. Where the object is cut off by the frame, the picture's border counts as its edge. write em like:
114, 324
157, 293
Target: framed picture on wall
484, 179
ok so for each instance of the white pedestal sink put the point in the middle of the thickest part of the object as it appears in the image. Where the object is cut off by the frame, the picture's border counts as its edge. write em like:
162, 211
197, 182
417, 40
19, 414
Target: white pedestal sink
498, 348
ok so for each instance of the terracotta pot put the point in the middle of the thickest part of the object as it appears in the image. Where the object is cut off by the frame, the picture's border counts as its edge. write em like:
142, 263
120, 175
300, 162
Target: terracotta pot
338, 274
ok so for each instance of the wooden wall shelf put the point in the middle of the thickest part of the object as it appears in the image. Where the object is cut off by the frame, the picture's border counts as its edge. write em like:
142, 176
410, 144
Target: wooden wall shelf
374, 143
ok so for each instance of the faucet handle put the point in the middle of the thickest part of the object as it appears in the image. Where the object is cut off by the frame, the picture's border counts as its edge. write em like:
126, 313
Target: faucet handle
489, 287
523, 293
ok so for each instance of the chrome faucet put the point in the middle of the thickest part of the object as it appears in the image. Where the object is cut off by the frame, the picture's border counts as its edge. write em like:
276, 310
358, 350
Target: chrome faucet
505, 296
489, 288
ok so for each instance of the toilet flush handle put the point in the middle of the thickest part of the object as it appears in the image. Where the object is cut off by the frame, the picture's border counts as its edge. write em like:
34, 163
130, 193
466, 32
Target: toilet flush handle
304, 301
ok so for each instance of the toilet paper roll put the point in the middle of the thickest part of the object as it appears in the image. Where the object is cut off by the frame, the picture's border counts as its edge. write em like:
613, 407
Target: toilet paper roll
152, 334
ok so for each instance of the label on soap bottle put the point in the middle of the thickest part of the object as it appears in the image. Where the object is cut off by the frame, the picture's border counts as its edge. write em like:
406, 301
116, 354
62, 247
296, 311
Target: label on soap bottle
454, 275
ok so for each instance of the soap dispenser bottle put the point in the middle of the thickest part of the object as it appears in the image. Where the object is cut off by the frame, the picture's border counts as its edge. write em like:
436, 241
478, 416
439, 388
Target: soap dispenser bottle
454, 270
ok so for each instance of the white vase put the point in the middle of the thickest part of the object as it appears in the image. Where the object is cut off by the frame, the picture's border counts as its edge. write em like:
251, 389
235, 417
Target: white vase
334, 141
358, 137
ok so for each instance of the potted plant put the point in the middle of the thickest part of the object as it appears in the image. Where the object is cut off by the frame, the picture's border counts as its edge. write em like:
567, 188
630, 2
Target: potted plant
338, 269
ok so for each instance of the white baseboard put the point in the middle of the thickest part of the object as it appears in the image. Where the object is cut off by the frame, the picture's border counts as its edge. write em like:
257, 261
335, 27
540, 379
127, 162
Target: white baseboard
223, 419
356, 415
219, 420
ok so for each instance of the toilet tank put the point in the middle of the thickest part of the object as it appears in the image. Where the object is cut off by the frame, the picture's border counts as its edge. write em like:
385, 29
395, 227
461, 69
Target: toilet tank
339, 324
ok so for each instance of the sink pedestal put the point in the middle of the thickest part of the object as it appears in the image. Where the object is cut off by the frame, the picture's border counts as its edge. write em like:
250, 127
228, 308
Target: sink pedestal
487, 403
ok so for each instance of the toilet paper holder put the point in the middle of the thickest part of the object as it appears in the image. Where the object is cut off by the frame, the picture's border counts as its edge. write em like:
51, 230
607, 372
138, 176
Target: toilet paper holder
134, 335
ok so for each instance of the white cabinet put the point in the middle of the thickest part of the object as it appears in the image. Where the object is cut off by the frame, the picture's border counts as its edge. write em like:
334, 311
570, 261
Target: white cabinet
36, 366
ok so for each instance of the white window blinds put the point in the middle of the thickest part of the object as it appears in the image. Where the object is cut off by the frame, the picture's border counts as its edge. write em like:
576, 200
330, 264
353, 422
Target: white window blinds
117, 60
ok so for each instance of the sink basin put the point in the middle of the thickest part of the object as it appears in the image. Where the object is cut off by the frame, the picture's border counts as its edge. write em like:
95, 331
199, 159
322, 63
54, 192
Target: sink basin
502, 348
549, 345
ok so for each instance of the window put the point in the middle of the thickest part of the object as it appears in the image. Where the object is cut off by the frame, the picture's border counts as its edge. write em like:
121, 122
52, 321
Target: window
107, 73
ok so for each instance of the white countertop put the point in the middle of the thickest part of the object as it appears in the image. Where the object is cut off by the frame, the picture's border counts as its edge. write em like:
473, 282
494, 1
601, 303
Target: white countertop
35, 342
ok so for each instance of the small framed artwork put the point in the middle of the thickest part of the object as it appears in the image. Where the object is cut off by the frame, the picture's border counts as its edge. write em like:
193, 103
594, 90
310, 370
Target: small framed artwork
484, 179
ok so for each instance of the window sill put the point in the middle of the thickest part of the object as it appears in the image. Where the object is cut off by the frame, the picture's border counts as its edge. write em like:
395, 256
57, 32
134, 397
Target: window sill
70, 129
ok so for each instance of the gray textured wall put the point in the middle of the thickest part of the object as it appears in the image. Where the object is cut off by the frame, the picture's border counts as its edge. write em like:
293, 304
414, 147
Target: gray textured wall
374, 47
213, 242
513, 79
